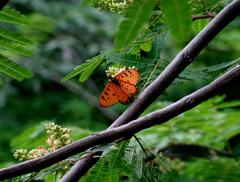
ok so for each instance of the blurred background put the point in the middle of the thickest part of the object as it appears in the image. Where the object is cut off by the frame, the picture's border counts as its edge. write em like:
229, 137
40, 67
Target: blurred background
65, 34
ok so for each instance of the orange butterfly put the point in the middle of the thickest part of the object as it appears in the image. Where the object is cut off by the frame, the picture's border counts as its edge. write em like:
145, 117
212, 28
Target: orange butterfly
120, 88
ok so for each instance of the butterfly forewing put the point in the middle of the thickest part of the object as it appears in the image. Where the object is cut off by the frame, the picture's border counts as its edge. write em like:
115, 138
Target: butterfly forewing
108, 97
131, 75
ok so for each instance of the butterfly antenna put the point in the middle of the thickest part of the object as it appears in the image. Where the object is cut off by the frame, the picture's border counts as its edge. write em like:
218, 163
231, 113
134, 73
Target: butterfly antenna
144, 150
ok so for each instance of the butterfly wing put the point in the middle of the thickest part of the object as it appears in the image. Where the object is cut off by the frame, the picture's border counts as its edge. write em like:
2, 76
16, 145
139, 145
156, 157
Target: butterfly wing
122, 92
108, 97
122, 96
113, 94
128, 88
131, 76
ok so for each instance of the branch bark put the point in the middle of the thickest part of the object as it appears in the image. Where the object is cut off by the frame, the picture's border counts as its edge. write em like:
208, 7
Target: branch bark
179, 63
126, 130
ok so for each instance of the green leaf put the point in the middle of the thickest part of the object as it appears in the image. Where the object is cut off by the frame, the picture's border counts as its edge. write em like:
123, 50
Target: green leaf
14, 46
95, 62
212, 170
18, 38
31, 138
211, 128
199, 24
102, 172
135, 18
178, 17
12, 16
146, 46
77, 70
13, 70
85, 69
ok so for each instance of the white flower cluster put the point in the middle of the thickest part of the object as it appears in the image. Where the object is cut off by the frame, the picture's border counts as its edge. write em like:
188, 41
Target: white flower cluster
116, 6
113, 71
57, 136
36, 153
23, 154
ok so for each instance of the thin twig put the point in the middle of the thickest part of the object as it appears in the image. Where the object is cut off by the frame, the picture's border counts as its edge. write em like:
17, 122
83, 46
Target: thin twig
124, 131
144, 150
207, 15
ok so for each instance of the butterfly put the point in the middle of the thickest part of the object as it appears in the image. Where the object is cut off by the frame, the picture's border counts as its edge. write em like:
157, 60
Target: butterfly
120, 88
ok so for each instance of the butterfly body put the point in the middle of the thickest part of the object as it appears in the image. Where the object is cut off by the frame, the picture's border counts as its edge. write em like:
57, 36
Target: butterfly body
115, 82
120, 88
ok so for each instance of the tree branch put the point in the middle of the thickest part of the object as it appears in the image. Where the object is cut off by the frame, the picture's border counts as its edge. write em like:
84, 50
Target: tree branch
207, 15
124, 131
180, 62
3, 4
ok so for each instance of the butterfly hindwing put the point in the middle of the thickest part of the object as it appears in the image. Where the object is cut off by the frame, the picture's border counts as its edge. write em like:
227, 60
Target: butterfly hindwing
108, 97
128, 88
122, 96
131, 75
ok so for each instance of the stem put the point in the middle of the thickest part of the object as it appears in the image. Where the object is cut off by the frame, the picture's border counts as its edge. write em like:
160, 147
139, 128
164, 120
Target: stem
207, 15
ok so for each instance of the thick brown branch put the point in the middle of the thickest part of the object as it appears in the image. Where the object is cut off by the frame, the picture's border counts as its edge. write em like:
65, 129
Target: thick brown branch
124, 131
180, 62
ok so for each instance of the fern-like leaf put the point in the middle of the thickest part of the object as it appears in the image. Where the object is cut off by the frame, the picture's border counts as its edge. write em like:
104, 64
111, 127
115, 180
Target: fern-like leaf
76, 71
9, 15
14, 42
18, 38
95, 62
85, 69
221, 66
13, 70
15, 47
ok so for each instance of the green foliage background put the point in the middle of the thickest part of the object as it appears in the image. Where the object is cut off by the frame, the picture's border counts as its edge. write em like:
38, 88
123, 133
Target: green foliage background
199, 145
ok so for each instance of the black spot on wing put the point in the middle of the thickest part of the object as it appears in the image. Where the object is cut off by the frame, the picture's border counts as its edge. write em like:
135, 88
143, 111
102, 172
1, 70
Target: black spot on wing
130, 72
103, 98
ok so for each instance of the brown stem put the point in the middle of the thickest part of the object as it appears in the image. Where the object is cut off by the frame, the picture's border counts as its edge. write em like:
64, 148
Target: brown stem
207, 15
